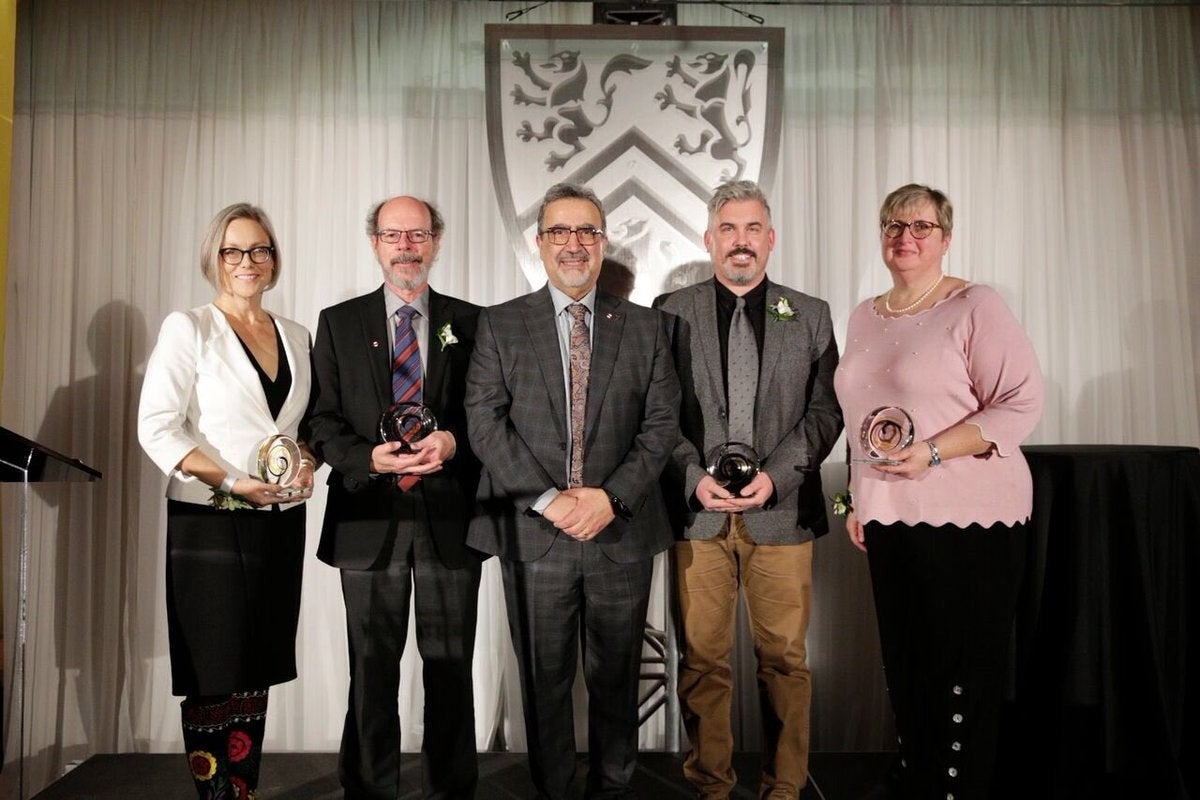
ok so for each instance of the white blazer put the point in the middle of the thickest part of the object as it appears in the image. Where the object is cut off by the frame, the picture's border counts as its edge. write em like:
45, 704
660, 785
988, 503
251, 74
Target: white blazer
202, 391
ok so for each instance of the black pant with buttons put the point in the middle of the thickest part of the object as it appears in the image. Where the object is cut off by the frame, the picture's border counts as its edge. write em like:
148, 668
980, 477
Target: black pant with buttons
944, 599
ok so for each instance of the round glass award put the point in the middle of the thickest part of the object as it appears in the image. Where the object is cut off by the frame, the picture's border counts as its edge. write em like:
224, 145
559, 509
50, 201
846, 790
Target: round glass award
407, 423
733, 465
278, 460
885, 432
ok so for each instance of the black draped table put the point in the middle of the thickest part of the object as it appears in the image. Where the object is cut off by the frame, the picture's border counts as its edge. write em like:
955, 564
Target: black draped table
1107, 665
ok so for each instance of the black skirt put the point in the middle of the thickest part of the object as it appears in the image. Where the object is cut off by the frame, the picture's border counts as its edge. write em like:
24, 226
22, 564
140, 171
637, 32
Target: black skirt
233, 597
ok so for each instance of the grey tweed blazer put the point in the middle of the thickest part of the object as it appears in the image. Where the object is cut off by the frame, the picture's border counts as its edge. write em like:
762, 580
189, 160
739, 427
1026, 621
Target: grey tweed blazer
796, 418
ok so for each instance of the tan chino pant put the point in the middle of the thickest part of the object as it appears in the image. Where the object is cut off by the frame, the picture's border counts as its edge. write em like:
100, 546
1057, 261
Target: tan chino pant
777, 581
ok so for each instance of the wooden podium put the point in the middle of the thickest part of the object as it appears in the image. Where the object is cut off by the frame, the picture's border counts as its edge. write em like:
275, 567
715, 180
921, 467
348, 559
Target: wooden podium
25, 462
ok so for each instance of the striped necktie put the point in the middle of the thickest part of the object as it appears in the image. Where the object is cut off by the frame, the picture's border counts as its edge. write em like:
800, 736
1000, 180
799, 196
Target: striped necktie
406, 374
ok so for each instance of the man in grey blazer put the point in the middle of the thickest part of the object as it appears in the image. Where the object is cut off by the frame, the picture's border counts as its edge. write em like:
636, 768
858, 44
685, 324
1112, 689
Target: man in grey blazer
393, 536
572, 405
743, 342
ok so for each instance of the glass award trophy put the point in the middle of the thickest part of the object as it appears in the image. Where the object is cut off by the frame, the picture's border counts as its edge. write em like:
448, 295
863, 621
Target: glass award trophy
885, 431
407, 423
733, 465
279, 461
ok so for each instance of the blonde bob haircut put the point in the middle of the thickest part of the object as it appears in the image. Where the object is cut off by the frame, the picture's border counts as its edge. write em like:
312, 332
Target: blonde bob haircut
214, 237
911, 195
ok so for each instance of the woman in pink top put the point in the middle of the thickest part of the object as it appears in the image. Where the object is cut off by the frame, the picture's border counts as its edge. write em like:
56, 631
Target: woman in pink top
943, 521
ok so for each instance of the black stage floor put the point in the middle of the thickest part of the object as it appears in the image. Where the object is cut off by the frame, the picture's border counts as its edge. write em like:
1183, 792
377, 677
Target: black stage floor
502, 776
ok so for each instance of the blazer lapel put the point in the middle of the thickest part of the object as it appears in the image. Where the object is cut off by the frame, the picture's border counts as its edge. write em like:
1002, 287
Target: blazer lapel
226, 347
774, 333
373, 324
435, 358
705, 314
608, 323
294, 349
543, 335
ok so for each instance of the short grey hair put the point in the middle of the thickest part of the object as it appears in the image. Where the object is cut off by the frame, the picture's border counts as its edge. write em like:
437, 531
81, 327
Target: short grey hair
737, 190
436, 223
911, 195
214, 237
569, 191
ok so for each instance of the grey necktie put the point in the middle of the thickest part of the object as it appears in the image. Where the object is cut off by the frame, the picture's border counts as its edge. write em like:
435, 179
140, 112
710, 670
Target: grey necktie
743, 375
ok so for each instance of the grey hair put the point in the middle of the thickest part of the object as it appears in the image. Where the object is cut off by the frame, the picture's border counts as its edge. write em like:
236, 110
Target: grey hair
569, 191
737, 190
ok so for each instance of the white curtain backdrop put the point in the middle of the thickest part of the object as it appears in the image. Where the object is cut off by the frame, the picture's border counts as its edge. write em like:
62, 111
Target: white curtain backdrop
1068, 139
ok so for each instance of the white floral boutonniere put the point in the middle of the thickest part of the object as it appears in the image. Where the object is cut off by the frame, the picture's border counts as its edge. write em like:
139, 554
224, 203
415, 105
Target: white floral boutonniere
446, 336
782, 311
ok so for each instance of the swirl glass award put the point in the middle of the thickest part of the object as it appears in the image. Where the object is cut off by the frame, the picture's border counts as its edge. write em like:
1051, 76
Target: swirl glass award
407, 423
733, 465
885, 431
279, 459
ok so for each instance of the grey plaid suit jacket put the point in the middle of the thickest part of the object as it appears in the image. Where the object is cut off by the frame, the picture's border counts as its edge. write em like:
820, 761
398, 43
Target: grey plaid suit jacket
517, 419
796, 419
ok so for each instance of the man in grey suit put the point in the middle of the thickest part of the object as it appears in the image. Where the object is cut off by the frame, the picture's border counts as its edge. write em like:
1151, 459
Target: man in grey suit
573, 408
756, 362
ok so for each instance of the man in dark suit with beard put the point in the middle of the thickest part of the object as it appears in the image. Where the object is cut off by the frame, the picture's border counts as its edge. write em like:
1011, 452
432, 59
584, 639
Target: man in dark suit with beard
572, 401
396, 522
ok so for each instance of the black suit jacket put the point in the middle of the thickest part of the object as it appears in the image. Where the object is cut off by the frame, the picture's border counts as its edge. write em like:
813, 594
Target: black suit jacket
516, 403
352, 376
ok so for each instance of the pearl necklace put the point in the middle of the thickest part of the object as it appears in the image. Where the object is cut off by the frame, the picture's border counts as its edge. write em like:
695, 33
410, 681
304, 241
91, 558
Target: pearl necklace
918, 301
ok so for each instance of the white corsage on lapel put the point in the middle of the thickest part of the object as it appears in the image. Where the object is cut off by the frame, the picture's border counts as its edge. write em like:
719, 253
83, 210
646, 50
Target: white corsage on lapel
446, 336
782, 310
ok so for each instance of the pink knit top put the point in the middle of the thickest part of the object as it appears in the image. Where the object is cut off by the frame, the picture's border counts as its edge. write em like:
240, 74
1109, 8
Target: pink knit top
965, 359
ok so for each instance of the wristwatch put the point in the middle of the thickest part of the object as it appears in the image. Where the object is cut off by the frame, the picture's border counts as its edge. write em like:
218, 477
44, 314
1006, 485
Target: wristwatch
934, 457
618, 506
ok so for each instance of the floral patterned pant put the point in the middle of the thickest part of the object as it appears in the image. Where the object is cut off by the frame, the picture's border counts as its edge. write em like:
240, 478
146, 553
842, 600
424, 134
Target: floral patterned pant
224, 736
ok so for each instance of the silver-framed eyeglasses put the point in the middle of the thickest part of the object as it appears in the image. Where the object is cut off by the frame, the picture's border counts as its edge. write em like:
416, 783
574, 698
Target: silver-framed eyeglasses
919, 228
234, 255
586, 234
415, 235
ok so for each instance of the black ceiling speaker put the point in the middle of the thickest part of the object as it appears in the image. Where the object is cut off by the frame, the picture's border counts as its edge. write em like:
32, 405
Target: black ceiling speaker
648, 13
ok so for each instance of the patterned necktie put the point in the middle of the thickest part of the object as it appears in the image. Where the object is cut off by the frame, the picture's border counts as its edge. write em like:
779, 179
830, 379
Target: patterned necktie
743, 375
406, 374
581, 363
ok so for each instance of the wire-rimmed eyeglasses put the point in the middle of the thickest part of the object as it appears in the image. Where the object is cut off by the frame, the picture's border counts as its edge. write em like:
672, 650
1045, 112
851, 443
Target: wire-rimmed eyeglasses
919, 228
415, 235
234, 255
586, 234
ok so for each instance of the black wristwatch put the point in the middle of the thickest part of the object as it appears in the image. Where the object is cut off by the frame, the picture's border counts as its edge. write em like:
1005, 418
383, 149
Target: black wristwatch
618, 506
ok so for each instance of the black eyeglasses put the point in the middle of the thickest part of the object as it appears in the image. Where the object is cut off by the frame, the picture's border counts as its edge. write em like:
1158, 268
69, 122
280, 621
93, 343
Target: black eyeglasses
234, 255
415, 235
919, 228
559, 235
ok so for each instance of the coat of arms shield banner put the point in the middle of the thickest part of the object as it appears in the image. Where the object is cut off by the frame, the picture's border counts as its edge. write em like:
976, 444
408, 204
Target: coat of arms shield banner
650, 118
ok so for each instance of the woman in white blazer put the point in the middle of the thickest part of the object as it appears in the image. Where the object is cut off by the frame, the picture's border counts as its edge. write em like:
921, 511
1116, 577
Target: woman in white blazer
222, 378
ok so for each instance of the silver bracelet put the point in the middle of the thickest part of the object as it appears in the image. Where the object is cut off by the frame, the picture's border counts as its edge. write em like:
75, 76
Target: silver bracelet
934, 457
228, 482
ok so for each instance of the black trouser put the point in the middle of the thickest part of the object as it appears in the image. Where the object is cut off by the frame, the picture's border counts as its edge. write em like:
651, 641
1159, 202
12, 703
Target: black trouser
377, 610
945, 599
